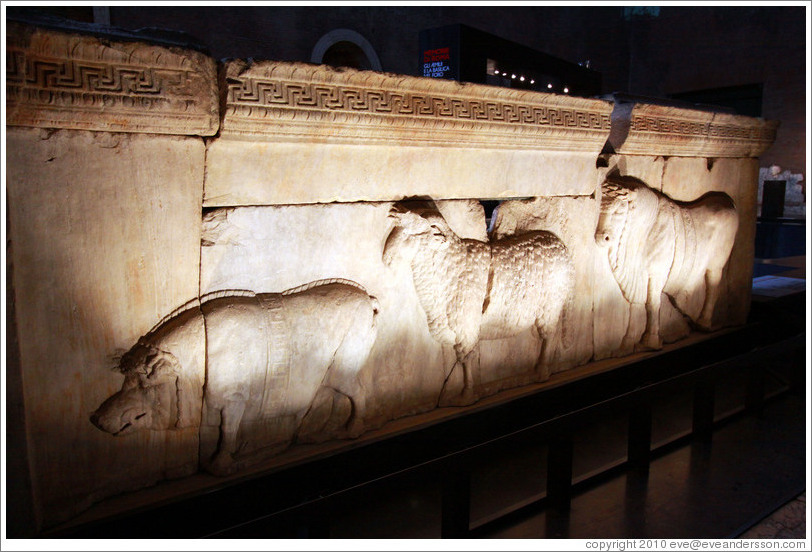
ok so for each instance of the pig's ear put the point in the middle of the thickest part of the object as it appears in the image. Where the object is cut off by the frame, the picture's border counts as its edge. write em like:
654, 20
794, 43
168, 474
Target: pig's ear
161, 365
114, 358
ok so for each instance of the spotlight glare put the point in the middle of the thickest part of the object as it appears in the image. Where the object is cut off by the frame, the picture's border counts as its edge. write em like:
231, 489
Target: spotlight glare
521, 78
549, 85
513, 76
566, 90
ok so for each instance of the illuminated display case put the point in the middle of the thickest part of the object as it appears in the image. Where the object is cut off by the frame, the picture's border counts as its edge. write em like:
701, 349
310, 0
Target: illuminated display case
465, 54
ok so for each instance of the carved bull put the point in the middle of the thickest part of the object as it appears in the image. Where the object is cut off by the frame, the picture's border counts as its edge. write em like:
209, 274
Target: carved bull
266, 358
657, 245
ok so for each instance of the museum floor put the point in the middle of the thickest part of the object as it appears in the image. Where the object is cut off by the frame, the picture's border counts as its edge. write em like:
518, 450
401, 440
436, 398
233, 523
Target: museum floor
721, 490
788, 522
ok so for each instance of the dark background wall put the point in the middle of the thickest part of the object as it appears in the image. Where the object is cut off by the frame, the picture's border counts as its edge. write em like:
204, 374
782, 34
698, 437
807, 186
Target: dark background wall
696, 48
289, 33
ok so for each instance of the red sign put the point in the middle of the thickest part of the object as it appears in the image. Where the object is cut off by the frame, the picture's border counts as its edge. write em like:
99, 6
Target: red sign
440, 54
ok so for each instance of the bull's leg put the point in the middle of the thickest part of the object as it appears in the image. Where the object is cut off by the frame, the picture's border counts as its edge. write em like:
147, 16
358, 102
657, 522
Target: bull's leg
713, 277
651, 337
355, 426
632, 335
230, 417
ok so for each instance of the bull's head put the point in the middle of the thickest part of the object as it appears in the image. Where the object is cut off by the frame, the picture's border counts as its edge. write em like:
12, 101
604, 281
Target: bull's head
148, 399
415, 230
613, 213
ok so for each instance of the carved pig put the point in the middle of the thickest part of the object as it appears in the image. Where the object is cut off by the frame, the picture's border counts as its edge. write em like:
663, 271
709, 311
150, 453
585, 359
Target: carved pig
266, 358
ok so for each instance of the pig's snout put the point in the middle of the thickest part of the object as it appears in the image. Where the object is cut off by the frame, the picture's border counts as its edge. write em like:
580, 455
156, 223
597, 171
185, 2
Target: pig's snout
121, 414
94, 419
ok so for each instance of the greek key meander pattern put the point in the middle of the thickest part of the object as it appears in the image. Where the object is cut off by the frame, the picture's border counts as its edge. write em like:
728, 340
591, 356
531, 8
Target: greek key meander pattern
89, 76
50, 85
694, 128
245, 95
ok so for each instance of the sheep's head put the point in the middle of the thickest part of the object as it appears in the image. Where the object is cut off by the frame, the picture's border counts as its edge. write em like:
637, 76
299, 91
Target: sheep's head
416, 230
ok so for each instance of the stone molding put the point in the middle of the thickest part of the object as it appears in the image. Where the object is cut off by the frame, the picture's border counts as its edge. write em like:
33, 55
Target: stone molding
299, 102
650, 129
72, 81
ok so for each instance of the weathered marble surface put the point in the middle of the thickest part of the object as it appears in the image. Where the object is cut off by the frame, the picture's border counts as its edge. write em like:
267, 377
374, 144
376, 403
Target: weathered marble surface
105, 240
119, 216
290, 132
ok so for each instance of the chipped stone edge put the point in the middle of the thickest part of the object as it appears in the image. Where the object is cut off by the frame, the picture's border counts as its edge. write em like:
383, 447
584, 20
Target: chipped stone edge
674, 131
72, 81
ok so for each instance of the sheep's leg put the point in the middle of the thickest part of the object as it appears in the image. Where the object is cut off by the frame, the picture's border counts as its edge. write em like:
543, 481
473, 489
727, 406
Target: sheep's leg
470, 370
713, 277
452, 386
651, 337
467, 361
230, 417
544, 363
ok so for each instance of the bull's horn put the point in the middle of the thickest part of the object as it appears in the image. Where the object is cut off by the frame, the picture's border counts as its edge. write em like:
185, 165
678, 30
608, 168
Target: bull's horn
391, 245
397, 210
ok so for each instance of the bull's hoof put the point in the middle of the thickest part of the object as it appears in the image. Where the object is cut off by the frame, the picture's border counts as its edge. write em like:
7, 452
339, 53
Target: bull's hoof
627, 346
649, 342
355, 428
467, 397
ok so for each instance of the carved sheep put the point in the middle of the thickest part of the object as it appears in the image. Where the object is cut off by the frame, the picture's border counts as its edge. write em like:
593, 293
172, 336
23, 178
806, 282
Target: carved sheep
472, 290
267, 357
657, 245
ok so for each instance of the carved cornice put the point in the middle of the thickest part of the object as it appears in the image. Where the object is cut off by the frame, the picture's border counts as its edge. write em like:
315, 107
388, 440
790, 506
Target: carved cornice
300, 102
649, 129
60, 80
